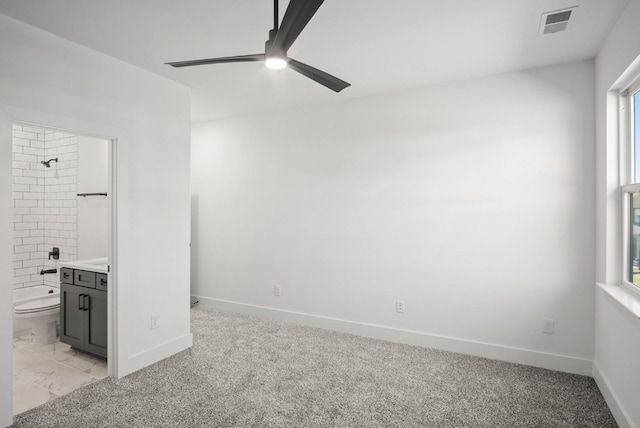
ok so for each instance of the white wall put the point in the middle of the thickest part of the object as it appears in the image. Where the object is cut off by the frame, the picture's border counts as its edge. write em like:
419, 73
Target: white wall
93, 211
60, 84
472, 202
617, 332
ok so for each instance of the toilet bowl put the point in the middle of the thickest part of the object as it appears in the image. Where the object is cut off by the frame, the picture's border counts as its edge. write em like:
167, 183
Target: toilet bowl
42, 316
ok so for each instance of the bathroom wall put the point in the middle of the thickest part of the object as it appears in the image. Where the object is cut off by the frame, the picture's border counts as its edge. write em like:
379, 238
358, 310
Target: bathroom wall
93, 211
60, 200
28, 205
44, 202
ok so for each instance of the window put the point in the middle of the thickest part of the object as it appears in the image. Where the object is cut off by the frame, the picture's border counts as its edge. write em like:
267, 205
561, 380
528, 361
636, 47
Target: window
630, 136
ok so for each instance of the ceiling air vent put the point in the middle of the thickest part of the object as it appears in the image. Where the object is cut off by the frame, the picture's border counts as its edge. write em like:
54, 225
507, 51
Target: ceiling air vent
559, 20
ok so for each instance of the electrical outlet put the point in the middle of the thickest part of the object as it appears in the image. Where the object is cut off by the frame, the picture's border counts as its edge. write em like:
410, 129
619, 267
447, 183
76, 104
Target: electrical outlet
548, 326
154, 322
400, 306
276, 290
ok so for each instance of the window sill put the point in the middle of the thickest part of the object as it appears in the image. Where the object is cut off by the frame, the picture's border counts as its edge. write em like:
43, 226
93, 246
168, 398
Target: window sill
626, 298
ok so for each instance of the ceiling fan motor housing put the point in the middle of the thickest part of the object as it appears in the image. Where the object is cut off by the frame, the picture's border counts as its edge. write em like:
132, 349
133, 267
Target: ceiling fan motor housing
269, 51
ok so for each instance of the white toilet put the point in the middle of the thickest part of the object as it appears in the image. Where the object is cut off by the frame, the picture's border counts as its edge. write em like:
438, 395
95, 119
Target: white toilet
42, 316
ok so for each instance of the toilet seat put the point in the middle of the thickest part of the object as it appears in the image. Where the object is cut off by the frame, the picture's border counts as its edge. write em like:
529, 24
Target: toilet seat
38, 306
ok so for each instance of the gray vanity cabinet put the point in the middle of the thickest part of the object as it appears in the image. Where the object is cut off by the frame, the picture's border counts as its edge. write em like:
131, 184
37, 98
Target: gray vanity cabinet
83, 312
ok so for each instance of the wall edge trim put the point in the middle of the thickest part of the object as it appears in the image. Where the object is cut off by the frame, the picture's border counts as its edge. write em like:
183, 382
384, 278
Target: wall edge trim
611, 398
563, 363
153, 355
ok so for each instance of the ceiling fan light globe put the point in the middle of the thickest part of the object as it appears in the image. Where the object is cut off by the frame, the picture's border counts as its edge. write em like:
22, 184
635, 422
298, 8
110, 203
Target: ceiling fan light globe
276, 63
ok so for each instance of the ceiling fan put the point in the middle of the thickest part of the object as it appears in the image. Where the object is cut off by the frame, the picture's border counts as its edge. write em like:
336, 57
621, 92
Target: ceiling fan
296, 17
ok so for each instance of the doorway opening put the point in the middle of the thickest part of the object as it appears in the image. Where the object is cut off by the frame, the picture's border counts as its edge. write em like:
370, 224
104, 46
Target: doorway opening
63, 202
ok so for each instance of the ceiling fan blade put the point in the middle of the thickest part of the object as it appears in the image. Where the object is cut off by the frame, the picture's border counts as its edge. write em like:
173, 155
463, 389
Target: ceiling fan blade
297, 16
240, 58
319, 76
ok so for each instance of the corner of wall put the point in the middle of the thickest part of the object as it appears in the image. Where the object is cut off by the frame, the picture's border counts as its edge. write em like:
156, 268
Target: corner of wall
621, 417
6, 314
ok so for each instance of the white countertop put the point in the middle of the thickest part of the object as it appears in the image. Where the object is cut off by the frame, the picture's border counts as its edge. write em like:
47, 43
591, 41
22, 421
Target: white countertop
94, 265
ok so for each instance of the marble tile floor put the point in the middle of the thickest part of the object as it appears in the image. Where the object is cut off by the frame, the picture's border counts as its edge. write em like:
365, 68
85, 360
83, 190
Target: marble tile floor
45, 372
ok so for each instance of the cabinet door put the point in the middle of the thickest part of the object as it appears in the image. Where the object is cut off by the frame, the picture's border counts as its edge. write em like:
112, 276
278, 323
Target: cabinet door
72, 315
96, 323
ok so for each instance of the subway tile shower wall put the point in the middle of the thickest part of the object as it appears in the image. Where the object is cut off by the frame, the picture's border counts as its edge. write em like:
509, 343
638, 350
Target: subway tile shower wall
44, 203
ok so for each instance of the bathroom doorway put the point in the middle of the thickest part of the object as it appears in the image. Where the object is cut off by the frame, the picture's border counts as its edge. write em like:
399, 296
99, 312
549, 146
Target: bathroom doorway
62, 213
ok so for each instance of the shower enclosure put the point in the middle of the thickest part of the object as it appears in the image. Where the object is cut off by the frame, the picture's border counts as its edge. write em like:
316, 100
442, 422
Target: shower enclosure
47, 211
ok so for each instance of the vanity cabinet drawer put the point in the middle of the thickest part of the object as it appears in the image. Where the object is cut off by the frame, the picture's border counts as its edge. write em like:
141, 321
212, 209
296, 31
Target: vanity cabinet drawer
66, 275
84, 278
101, 281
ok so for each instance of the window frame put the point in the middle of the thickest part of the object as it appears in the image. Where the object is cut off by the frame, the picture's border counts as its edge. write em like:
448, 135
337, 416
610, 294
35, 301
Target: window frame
629, 183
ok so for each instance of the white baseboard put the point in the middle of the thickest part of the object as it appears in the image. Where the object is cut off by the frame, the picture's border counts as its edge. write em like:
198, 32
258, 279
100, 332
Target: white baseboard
549, 361
610, 397
150, 356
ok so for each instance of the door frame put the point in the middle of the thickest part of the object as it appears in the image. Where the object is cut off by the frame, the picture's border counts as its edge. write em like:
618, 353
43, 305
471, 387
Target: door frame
112, 300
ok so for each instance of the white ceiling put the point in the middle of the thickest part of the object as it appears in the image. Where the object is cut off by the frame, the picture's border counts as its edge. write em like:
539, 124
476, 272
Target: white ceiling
376, 45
